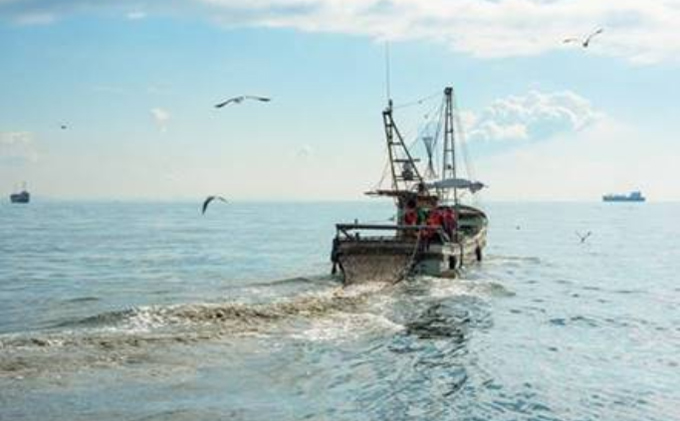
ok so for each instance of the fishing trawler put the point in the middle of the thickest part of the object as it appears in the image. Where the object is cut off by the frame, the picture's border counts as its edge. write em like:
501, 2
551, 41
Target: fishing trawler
434, 232
22, 196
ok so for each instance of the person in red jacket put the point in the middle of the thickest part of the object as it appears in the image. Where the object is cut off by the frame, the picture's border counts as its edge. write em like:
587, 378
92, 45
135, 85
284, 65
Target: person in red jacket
434, 223
449, 216
410, 217
410, 213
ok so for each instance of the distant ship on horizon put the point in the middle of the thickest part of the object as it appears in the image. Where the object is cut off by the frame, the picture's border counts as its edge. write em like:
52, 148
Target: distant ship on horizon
22, 196
634, 196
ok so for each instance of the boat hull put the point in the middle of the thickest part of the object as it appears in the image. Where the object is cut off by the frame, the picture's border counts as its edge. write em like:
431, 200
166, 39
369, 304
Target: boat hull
622, 199
390, 259
369, 260
22, 197
635, 196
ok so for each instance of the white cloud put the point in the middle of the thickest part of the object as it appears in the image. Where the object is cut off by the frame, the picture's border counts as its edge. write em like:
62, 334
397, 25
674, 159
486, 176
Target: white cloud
533, 116
136, 15
641, 31
17, 147
304, 153
161, 117
608, 156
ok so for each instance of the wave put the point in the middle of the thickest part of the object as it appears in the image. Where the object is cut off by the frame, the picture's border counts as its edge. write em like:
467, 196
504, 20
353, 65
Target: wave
79, 300
156, 323
441, 287
498, 258
332, 314
297, 281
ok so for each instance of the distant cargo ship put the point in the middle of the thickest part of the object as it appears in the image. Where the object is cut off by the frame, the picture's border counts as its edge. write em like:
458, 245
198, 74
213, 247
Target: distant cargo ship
635, 196
20, 197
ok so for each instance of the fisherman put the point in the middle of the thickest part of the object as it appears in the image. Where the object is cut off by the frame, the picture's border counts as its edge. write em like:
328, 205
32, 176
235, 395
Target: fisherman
449, 220
411, 214
422, 215
435, 218
410, 218
454, 220
434, 223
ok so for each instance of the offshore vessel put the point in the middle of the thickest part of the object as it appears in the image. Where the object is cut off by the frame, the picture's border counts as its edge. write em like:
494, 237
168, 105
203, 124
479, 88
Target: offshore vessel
22, 196
434, 232
634, 196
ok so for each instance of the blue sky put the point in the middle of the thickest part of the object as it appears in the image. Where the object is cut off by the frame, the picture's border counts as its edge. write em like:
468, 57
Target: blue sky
135, 82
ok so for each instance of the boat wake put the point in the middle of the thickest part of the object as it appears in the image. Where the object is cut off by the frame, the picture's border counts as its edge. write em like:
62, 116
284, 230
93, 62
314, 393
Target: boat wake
334, 313
109, 336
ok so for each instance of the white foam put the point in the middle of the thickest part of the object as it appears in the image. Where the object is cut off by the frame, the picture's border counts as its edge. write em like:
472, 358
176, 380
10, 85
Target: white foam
459, 287
346, 326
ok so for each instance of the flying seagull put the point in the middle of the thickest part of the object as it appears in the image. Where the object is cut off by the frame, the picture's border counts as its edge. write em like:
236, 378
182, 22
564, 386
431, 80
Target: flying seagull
586, 41
63, 126
240, 99
583, 237
210, 199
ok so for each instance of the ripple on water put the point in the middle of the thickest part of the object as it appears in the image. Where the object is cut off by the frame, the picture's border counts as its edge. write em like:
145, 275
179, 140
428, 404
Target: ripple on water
95, 339
78, 300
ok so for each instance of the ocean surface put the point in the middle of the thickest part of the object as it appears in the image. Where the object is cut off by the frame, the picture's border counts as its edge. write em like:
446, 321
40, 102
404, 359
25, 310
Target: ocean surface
150, 311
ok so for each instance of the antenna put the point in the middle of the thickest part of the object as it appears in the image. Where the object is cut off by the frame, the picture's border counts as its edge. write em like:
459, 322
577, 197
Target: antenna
387, 72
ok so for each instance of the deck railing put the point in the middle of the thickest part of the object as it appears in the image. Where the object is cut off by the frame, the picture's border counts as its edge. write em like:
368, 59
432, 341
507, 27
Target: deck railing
351, 231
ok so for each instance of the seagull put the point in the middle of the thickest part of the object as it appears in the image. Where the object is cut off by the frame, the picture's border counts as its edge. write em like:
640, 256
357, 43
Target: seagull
63, 126
583, 237
240, 99
584, 42
210, 199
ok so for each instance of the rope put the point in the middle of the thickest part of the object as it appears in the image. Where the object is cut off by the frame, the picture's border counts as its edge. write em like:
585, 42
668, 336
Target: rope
416, 102
439, 127
424, 128
463, 142
383, 176
476, 199
417, 129
408, 268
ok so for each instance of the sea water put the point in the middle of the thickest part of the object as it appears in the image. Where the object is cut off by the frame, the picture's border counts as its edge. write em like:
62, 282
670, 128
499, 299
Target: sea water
144, 311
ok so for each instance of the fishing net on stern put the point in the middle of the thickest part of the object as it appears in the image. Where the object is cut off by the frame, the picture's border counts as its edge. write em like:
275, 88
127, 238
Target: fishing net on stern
375, 268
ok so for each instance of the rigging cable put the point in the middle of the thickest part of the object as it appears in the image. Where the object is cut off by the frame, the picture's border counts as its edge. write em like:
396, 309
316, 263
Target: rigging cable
417, 101
439, 125
461, 136
430, 142
383, 176
463, 146
420, 128
429, 116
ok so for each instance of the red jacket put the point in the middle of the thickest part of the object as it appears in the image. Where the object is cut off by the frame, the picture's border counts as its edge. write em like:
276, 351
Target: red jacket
410, 217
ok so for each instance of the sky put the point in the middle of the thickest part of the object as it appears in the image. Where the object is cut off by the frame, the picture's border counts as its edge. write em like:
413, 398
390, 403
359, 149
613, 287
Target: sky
135, 83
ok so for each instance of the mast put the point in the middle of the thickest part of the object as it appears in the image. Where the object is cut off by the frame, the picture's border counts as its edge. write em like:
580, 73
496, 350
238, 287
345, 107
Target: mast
387, 72
449, 155
388, 123
405, 173
403, 167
